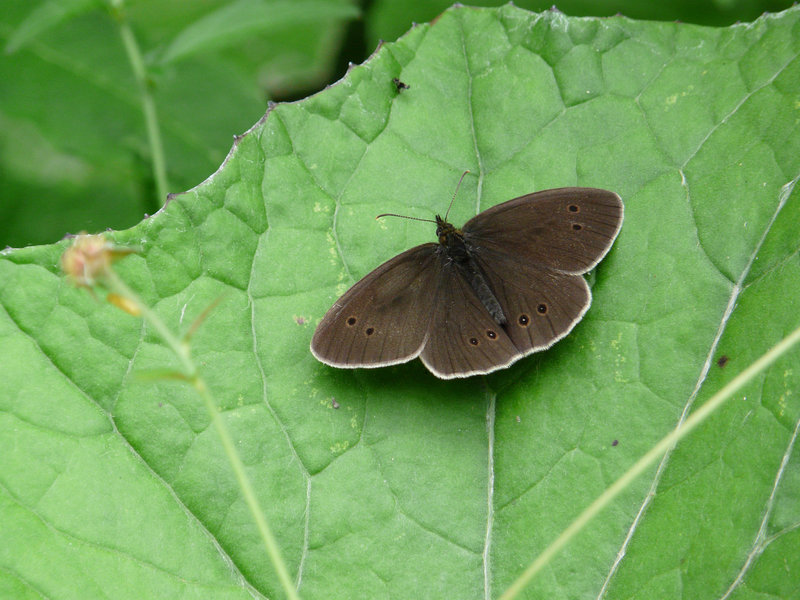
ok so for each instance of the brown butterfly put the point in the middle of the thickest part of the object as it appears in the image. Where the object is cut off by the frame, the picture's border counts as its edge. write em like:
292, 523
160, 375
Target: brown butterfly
505, 285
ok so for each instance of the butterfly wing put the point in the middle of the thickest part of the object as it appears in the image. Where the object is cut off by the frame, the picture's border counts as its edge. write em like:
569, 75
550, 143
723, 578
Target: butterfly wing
465, 338
566, 229
384, 318
541, 305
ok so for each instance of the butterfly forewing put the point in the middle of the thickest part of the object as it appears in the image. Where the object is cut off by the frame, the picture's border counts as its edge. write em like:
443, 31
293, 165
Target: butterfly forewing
467, 340
384, 318
564, 229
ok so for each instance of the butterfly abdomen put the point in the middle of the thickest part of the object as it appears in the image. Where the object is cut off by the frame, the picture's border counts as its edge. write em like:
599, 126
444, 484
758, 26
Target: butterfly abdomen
479, 285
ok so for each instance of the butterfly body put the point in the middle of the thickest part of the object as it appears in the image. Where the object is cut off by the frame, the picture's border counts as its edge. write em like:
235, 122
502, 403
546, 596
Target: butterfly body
508, 283
457, 252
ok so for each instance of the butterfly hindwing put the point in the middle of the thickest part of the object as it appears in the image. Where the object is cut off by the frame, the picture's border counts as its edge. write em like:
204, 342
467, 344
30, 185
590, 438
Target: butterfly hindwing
465, 340
541, 305
384, 318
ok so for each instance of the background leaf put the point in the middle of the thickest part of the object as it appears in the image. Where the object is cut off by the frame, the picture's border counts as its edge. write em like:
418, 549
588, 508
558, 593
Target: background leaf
415, 487
73, 150
46, 15
244, 18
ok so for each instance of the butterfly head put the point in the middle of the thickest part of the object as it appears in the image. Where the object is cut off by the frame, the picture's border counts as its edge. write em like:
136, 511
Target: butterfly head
446, 232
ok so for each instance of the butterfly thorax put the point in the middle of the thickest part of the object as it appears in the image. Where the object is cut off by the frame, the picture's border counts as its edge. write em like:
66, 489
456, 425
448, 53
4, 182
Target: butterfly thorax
452, 244
448, 235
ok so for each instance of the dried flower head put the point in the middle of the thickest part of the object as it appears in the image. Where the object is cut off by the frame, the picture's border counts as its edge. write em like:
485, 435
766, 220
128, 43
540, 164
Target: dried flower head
88, 261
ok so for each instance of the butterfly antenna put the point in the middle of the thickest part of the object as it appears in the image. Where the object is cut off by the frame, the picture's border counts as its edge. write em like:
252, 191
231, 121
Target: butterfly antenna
405, 217
464, 174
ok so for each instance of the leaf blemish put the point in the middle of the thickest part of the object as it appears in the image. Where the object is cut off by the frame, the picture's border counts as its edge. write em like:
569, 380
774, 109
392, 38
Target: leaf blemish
340, 447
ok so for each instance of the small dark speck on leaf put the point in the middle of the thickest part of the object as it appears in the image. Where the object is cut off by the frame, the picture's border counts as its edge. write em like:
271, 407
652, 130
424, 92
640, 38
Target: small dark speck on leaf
722, 361
399, 84
615, 442
300, 320
334, 403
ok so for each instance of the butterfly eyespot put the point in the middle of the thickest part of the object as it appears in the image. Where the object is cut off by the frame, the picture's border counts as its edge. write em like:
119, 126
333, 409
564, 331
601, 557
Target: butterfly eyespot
490, 334
351, 321
541, 309
577, 227
573, 208
473, 341
369, 330
524, 320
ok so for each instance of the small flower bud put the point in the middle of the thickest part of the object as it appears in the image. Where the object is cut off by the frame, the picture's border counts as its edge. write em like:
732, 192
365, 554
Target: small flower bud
89, 259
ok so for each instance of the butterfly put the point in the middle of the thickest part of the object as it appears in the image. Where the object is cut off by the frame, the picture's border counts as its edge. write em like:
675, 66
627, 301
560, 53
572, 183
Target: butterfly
505, 285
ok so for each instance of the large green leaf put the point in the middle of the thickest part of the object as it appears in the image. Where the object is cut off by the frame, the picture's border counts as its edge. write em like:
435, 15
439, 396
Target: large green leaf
415, 487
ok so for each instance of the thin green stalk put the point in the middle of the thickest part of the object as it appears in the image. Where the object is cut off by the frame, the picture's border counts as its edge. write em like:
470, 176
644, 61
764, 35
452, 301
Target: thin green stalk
697, 417
148, 104
181, 350
247, 491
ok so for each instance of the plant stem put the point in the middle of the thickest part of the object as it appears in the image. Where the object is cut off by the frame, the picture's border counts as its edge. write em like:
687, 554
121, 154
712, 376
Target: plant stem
148, 104
181, 350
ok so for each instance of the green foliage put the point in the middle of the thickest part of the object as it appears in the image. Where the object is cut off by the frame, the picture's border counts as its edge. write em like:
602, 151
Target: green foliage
73, 150
415, 487
243, 18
